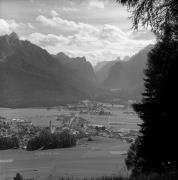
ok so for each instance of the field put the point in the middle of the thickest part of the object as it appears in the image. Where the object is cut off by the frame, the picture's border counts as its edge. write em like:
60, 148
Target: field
102, 156
123, 119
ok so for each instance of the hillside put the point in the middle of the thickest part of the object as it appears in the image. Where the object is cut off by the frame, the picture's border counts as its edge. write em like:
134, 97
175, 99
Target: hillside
127, 76
30, 76
83, 68
102, 70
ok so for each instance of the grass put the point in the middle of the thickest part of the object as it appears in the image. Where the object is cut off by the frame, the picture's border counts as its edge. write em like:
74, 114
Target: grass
166, 176
42, 116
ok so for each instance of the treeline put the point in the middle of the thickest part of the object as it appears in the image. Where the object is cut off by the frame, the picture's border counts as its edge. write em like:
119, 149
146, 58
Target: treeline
46, 140
8, 143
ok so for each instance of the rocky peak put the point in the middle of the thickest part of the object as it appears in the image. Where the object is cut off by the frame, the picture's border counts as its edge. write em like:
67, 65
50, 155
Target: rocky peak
13, 39
81, 59
10, 40
7, 44
13, 36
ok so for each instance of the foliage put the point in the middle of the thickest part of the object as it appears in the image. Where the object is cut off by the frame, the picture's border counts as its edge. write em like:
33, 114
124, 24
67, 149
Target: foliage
46, 140
159, 15
155, 150
8, 143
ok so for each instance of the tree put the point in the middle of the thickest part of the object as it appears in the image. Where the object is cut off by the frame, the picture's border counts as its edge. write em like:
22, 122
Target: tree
161, 16
156, 149
46, 140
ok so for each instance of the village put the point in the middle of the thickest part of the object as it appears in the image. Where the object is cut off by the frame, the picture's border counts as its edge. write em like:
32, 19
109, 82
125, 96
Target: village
85, 119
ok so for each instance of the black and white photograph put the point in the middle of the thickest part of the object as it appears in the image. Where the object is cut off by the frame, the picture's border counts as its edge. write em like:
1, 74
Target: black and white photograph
88, 89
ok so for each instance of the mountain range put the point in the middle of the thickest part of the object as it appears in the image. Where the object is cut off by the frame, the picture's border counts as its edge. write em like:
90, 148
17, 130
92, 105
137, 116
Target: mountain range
80, 65
102, 69
30, 76
126, 76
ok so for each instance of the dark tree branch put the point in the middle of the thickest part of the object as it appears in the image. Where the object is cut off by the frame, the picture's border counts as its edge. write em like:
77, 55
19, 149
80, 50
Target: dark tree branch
154, 13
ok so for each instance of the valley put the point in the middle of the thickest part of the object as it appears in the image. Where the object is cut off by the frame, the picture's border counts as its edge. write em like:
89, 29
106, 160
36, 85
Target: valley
104, 154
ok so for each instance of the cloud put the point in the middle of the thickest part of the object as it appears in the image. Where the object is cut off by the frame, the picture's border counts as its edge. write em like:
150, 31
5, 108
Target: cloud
7, 26
30, 26
106, 42
69, 9
77, 27
46, 39
32, 1
57, 22
96, 4
4, 27
54, 13
145, 34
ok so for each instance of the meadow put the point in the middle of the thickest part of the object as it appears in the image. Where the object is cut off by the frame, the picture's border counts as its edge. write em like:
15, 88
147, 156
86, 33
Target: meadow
102, 156
122, 118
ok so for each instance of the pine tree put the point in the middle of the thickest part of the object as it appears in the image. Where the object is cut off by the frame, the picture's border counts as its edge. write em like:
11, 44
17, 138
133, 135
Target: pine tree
156, 149
156, 14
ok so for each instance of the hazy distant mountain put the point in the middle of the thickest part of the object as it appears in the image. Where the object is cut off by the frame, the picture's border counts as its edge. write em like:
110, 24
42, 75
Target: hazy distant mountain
30, 76
126, 58
100, 65
102, 69
127, 76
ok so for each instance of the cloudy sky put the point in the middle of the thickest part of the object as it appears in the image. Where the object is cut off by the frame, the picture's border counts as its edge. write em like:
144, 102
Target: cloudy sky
97, 29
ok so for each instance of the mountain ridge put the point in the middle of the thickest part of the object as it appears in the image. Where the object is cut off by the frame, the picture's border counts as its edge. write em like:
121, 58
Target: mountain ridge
30, 76
127, 76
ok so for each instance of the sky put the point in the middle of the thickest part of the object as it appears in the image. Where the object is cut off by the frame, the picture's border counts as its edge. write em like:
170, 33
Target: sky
100, 30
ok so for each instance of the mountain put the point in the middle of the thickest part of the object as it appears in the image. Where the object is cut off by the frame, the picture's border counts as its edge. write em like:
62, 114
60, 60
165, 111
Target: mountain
30, 76
100, 65
127, 76
102, 69
79, 65
126, 58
